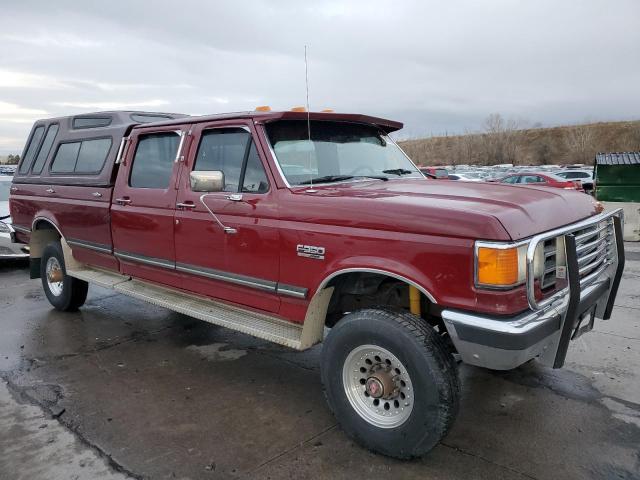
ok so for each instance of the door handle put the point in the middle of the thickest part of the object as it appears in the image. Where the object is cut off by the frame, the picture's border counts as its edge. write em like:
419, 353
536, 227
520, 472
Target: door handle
123, 201
50, 190
96, 194
186, 205
234, 197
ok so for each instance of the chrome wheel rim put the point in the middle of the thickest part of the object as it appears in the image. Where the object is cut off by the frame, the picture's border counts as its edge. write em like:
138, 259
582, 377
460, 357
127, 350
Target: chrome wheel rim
378, 386
54, 270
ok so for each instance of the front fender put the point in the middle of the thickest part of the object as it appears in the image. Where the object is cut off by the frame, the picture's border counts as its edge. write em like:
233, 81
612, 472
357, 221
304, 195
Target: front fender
401, 271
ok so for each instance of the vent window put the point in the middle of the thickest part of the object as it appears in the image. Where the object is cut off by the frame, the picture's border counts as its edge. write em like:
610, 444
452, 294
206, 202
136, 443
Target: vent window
91, 122
144, 118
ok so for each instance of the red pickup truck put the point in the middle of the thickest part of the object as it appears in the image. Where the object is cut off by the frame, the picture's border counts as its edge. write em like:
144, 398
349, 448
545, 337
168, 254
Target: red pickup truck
301, 228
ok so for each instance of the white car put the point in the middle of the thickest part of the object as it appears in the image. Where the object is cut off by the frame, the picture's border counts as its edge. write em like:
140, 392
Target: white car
585, 177
8, 249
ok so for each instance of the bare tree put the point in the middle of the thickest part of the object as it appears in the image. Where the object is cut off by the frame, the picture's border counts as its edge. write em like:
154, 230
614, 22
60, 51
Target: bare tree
581, 143
468, 146
542, 152
500, 139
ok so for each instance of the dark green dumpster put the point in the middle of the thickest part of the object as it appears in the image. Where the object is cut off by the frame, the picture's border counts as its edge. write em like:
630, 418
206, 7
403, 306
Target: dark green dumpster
617, 177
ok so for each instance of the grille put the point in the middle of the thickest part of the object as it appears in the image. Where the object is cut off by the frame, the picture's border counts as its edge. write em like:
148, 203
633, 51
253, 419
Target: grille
594, 248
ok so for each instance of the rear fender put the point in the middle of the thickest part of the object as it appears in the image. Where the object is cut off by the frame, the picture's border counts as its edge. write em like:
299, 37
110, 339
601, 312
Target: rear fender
43, 232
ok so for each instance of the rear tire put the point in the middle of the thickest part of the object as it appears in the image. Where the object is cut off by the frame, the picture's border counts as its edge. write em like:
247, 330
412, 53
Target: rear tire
391, 381
67, 294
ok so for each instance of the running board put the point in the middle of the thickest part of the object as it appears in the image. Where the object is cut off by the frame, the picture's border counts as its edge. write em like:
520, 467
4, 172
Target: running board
259, 325
103, 278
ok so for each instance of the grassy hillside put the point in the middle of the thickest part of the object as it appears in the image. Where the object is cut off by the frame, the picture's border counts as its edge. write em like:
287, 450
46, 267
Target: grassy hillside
535, 146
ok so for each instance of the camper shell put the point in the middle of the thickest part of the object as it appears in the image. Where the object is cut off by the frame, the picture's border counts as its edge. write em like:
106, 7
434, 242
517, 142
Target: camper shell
48, 136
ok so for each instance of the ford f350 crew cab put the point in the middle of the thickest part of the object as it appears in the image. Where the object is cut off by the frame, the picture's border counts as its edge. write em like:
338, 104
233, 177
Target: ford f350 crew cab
288, 225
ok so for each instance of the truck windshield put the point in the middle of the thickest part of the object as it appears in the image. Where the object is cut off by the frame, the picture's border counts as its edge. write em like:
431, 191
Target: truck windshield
337, 151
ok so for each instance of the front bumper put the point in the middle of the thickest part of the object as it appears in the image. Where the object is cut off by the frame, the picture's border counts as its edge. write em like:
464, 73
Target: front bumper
545, 330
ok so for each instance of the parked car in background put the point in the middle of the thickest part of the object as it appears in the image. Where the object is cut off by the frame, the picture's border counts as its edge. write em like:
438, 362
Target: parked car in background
439, 173
541, 179
585, 177
465, 177
8, 249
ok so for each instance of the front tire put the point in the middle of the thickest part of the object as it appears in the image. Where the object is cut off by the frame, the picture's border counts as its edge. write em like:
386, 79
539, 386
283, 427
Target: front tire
391, 381
65, 293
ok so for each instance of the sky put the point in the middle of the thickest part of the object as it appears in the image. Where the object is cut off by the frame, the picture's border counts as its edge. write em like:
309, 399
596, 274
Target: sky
439, 67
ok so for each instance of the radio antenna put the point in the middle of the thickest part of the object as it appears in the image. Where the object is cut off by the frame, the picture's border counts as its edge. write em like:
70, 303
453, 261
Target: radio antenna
306, 81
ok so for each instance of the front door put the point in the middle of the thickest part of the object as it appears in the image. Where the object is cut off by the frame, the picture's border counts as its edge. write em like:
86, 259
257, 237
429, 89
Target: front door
240, 263
144, 201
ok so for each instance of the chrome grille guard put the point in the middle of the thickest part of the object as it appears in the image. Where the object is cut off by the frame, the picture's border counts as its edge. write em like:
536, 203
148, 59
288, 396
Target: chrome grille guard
594, 253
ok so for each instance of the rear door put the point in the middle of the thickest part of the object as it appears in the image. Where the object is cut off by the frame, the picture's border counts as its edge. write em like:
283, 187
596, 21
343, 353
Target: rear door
144, 202
240, 265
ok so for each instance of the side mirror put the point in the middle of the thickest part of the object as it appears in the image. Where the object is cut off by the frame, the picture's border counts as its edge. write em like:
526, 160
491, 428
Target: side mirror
207, 181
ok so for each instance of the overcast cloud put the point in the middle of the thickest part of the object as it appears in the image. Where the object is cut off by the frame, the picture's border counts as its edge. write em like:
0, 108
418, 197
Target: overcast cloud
437, 66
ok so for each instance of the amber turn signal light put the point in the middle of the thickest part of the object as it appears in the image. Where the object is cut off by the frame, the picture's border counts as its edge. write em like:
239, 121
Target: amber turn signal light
263, 108
497, 266
298, 109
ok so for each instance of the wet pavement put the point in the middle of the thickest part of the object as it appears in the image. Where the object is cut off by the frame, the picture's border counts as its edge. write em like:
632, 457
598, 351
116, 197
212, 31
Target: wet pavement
126, 389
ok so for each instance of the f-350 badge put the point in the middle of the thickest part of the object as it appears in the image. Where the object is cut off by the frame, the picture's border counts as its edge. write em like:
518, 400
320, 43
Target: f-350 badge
310, 251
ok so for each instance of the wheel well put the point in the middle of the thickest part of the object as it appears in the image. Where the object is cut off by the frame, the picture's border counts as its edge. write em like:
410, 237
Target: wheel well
362, 289
43, 233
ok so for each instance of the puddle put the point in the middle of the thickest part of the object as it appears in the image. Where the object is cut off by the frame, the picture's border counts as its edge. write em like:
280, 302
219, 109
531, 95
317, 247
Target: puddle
215, 353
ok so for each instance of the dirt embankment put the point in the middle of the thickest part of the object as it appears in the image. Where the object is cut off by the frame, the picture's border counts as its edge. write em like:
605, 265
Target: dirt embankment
535, 146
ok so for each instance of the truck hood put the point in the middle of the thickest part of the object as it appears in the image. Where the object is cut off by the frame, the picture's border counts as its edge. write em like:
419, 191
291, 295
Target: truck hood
476, 210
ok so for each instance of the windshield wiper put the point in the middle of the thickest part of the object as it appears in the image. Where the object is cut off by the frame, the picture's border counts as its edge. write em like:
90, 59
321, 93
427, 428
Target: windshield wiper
377, 177
398, 171
339, 178
327, 178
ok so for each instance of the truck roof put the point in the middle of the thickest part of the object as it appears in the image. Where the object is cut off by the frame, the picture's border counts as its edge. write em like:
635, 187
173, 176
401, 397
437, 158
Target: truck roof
112, 126
109, 118
270, 116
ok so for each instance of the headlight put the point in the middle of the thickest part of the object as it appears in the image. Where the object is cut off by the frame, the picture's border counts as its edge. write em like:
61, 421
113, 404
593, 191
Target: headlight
4, 228
504, 265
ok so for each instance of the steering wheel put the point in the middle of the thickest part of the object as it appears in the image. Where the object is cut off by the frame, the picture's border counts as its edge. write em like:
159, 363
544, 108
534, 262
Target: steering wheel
361, 170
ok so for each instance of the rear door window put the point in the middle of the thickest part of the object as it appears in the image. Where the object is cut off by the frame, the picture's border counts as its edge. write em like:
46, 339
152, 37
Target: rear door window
43, 154
153, 161
31, 150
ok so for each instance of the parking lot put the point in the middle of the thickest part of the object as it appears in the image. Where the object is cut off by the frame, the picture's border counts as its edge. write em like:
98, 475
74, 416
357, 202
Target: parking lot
125, 389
